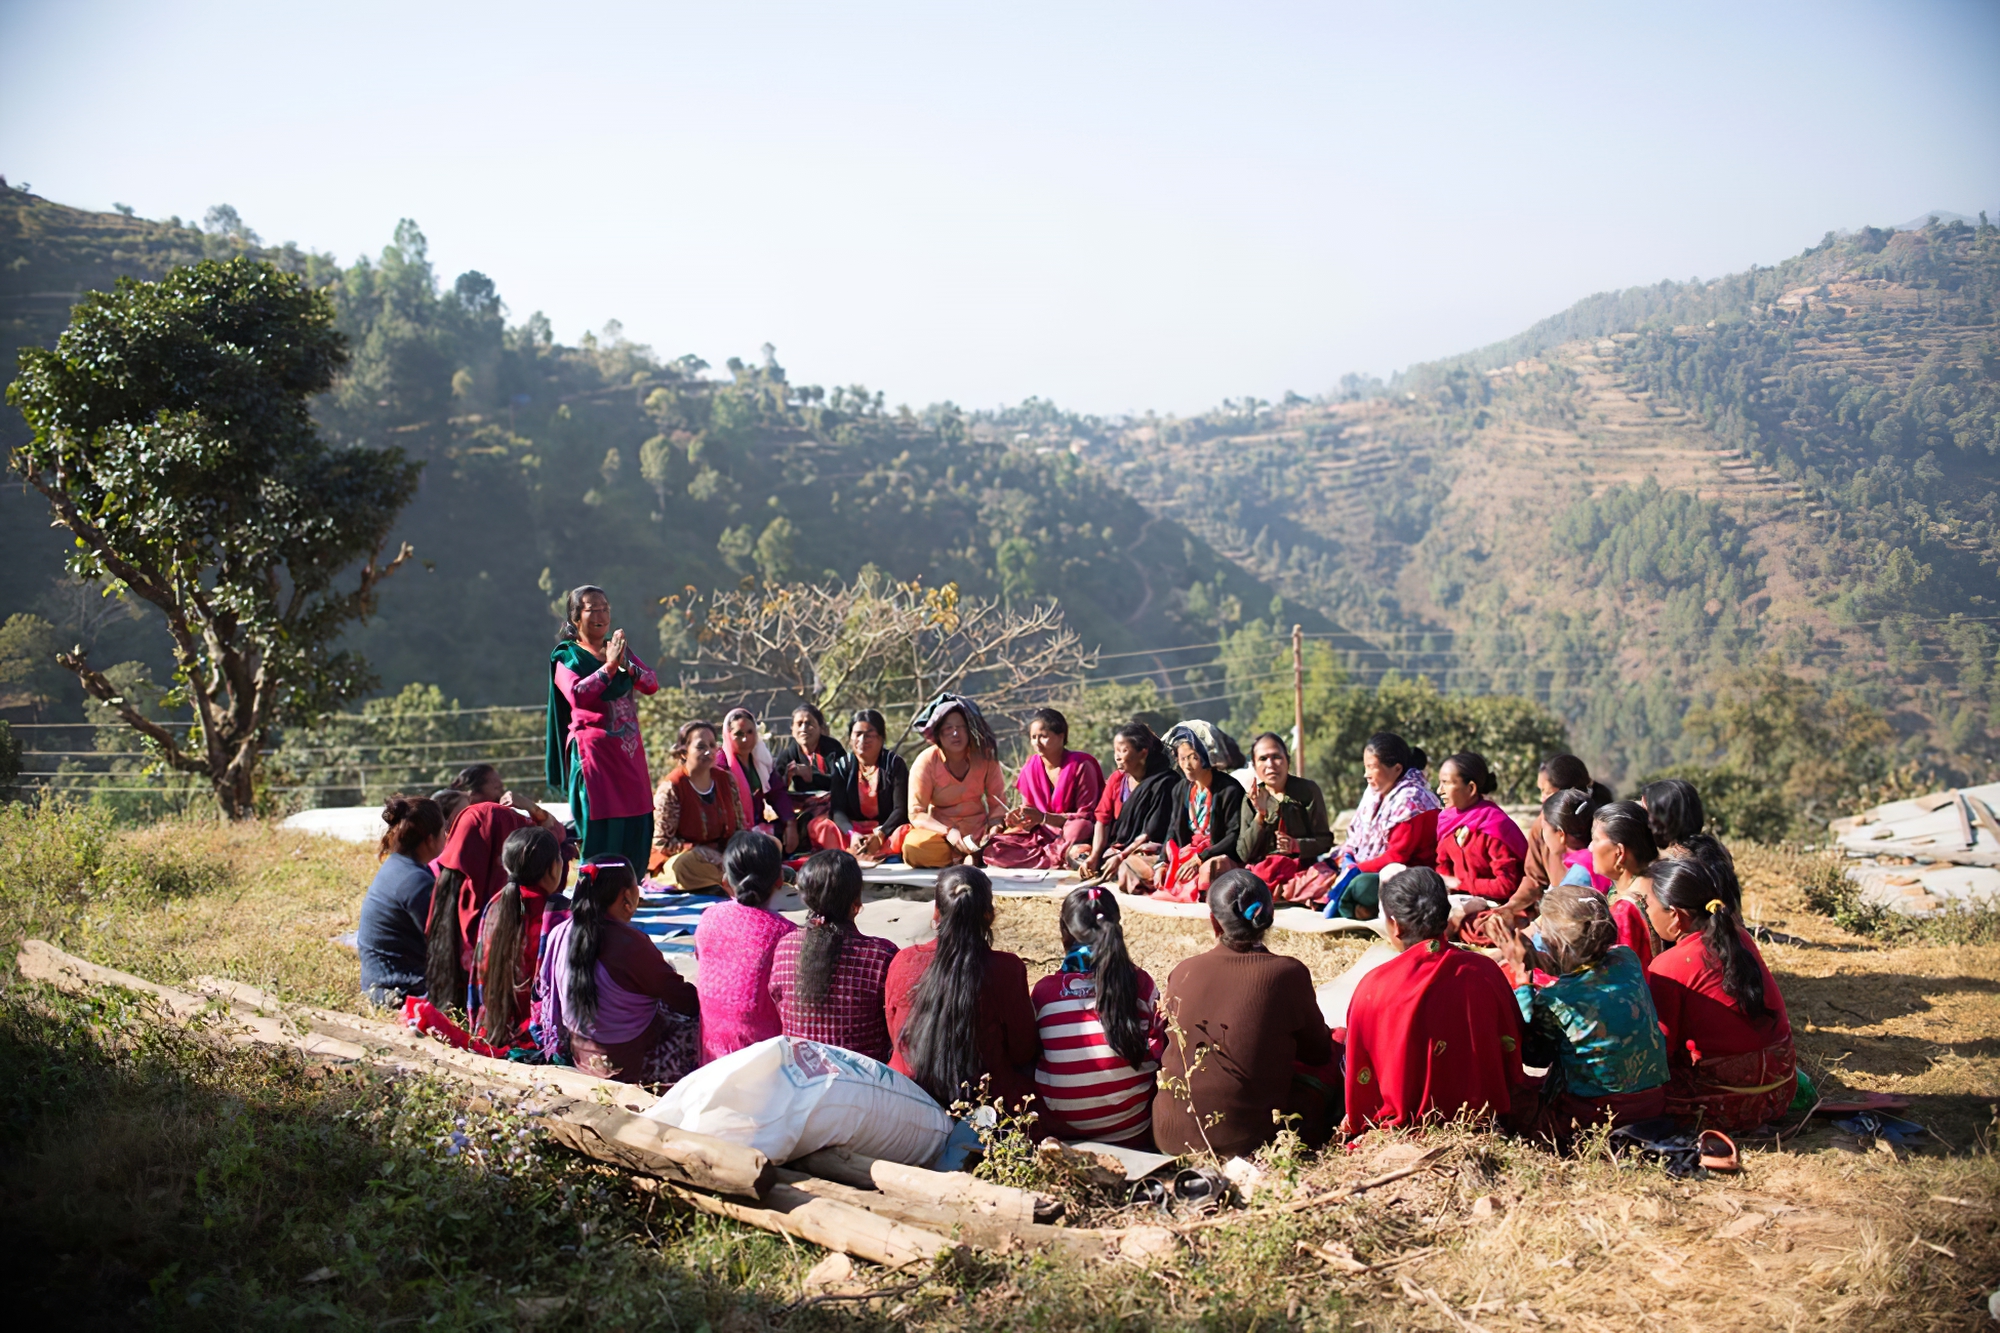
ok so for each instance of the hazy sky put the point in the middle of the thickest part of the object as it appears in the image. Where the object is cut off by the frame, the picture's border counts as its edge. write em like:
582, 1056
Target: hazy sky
1118, 207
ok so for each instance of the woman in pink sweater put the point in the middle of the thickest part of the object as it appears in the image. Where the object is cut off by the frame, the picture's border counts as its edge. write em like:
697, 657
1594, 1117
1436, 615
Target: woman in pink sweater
735, 943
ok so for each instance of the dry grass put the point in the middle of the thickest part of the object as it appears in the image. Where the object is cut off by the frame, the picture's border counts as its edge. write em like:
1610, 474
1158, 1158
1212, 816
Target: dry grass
1822, 1232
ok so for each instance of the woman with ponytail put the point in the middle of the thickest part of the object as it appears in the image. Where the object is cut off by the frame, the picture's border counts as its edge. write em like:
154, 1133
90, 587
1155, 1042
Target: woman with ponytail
1622, 850
1101, 1030
507, 935
957, 1008
1246, 1041
610, 1003
828, 979
1730, 1058
469, 873
735, 943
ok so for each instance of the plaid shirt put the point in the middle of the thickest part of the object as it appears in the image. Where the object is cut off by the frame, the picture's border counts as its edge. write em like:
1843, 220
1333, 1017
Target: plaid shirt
851, 1015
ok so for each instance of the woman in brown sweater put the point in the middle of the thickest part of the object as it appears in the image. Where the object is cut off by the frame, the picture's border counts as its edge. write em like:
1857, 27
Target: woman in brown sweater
1248, 1023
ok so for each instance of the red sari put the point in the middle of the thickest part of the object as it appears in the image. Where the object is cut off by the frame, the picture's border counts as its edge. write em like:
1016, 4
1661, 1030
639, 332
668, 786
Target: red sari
1727, 1069
1433, 1033
477, 837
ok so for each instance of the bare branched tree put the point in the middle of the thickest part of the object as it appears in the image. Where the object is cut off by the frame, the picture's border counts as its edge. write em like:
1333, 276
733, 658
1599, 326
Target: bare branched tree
873, 643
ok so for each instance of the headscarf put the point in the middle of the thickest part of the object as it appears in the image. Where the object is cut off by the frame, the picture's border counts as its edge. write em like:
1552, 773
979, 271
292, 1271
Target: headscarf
1211, 746
977, 730
1368, 831
760, 759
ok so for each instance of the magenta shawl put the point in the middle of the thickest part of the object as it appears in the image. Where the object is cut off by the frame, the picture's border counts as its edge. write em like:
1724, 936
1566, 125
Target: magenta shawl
1079, 782
1484, 817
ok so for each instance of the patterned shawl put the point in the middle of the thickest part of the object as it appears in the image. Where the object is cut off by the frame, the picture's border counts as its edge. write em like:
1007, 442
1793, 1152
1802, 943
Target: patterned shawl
1368, 831
981, 734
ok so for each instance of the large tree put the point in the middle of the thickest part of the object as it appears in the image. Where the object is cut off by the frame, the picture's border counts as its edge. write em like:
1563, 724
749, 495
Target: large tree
172, 435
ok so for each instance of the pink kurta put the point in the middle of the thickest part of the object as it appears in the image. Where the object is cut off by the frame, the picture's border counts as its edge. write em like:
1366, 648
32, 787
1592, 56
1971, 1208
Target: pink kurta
605, 732
1072, 800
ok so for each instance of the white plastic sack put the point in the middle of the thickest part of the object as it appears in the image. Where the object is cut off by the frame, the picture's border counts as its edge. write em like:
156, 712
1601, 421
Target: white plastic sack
786, 1098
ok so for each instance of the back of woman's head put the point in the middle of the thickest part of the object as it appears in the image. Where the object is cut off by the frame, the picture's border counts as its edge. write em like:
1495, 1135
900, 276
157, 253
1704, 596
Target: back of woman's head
1090, 917
1713, 857
1474, 769
1576, 928
413, 821
450, 801
1566, 771
753, 864
1571, 810
1417, 901
599, 886
1625, 823
472, 778
1140, 737
1240, 902
1686, 885
1393, 751
941, 1036
1674, 806
830, 886
527, 856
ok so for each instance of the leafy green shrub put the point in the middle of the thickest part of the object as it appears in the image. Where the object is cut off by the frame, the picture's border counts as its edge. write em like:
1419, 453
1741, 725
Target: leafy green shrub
59, 857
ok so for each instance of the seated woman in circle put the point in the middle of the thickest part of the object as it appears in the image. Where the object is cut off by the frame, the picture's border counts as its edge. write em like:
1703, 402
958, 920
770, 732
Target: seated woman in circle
868, 807
1264, 1048
760, 786
829, 981
397, 910
610, 1003
1208, 816
958, 798
1590, 1021
1479, 846
1730, 1056
958, 1009
696, 811
1136, 809
1059, 788
1285, 829
804, 763
1394, 827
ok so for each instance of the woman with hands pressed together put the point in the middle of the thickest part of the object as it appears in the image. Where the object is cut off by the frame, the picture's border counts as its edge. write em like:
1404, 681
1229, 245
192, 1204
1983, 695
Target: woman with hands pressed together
595, 753
1059, 788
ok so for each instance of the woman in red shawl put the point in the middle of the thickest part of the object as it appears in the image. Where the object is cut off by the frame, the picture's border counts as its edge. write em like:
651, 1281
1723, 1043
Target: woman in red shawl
1730, 1058
469, 874
1434, 1032
1480, 849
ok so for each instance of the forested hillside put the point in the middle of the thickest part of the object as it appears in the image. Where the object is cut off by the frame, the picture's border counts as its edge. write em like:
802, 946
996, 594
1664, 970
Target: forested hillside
1636, 507
548, 465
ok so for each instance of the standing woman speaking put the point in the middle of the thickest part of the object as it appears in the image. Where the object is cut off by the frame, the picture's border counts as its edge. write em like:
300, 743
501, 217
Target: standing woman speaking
595, 754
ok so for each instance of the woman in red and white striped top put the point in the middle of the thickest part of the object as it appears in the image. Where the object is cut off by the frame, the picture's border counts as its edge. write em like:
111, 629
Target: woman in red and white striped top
1101, 1030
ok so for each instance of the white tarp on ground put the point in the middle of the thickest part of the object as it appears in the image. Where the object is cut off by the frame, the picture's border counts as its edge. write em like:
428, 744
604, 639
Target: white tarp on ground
363, 823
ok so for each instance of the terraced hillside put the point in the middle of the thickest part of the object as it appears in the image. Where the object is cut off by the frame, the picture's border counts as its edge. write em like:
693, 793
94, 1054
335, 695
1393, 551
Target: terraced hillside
1649, 491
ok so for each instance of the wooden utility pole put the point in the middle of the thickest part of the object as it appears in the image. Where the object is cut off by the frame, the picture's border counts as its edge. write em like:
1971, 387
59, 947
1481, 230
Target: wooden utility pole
1298, 699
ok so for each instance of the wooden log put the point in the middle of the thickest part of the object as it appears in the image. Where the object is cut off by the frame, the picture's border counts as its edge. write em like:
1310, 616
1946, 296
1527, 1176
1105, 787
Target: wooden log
828, 1223
969, 1224
371, 1031
593, 1127
950, 1189
41, 961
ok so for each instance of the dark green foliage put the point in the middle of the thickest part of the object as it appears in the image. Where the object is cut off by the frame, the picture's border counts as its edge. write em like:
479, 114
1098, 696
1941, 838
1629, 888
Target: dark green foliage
172, 437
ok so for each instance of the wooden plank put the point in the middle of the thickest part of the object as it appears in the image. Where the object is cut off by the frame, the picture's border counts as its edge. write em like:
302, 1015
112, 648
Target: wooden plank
828, 1223
918, 1185
983, 1230
599, 1130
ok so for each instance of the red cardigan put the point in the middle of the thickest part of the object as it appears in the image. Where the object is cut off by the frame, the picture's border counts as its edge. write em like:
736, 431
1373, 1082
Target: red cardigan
1009, 1039
1414, 842
1482, 865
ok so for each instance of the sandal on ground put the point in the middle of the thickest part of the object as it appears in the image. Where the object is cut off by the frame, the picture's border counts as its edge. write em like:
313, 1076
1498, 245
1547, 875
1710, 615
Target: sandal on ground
1718, 1151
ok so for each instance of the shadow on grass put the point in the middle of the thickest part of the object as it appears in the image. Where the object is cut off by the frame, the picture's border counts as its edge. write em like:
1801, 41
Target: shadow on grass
150, 1176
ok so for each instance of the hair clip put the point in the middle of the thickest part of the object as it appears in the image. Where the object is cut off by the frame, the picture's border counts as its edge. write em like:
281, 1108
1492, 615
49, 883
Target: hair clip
1250, 913
1714, 905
